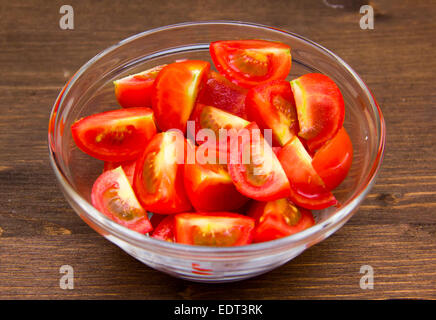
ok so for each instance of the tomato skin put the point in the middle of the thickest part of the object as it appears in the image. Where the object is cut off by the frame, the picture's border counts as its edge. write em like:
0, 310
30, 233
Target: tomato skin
175, 92
165, 229
213, 229
158, 180
320, 108
210, 188
128, 167
273, 223
263, 60
272, 106
307, 189
333, 160
113, 188
276, 150
135, 90
224, 94
156, 219
117, 135
274, 184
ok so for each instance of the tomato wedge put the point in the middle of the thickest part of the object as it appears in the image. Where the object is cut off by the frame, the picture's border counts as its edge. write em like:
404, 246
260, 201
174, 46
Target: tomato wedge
278, 219
113, 196
251, 62
117, 135
213, 119
333, 161
209, 186
224, 94
320, 108
158, 180
254, 167
271, 105
128, 168
307, 188
165, 229
175, 92
135, 90
219, 229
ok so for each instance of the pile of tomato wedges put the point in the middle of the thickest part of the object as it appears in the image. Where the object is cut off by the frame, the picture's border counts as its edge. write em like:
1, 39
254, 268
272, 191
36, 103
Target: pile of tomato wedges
221, 158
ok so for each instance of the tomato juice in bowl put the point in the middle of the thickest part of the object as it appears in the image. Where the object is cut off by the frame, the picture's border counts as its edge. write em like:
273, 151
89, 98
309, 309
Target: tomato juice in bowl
91, 91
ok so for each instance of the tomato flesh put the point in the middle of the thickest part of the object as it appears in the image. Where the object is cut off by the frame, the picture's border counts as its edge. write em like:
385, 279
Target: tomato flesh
278, 219
128, 168
175, 92
224, 94
113, 196
117, 135
219, 229
209, 186
272, 106
306, 186
208, 122
165, 229
333, 160
320, 108
276, 150
250, 62
158, 179
135, 90
254, 167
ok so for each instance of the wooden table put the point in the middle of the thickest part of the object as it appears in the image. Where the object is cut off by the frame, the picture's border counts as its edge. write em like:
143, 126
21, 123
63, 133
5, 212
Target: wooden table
394, 231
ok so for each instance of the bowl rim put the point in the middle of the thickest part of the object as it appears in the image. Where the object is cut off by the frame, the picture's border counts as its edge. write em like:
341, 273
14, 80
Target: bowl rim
113, 228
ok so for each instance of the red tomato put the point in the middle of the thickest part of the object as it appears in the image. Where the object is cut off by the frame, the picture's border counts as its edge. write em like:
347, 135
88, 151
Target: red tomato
158, 180
278, 219
254, 167
244, 209
214, 119
333, 160
272, 106
307, 188
156, 219
251, 62
223, 94
175, 92
209, 186
117, 135
276, 150
219, 229
113, 196
320, 108
135, 90
165, 229
128, 168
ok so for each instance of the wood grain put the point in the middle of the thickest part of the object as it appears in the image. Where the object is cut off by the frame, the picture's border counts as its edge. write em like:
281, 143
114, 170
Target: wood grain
394, 230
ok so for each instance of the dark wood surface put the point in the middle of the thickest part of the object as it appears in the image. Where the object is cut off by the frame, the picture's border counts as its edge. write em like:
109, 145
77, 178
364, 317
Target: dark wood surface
394, 231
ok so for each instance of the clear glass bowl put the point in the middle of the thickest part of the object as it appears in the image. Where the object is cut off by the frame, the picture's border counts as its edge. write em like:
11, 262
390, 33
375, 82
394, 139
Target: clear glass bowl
91, 91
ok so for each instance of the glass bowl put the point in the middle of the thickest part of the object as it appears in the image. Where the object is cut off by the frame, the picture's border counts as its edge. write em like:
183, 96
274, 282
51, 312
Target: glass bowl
91, 91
